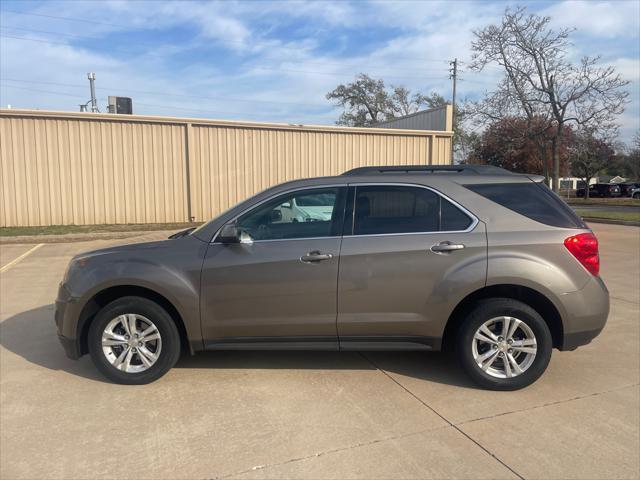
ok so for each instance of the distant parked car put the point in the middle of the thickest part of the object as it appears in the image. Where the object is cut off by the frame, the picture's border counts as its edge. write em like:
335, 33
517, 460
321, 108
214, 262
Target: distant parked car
601, 190
635, 193
627, 188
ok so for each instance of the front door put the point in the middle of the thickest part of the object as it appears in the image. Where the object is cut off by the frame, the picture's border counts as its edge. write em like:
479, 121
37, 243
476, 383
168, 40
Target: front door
279, 284
410, 256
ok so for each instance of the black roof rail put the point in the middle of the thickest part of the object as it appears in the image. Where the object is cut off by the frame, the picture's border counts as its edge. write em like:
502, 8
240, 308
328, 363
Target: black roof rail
473, 169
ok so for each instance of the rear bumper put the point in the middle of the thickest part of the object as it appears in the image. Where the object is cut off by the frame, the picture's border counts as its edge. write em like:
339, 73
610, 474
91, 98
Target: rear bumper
574, 340
585, 314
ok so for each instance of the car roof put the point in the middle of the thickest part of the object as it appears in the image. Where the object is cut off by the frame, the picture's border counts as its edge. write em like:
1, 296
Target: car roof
419, 174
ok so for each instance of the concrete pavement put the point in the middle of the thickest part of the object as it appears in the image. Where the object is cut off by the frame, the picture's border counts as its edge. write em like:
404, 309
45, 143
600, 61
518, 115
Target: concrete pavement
313, 414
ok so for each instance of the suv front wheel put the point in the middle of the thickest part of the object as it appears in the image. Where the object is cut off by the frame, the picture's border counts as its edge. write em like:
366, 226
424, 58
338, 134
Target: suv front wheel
504, 344
133, 341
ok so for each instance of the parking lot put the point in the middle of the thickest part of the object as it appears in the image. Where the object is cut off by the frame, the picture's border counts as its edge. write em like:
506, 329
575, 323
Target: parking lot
313, 414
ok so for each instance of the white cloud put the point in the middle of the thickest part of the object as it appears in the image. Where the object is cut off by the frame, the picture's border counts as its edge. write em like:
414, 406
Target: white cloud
602, 19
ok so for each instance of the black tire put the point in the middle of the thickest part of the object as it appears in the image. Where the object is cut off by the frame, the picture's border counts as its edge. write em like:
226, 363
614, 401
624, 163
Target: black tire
169, 353
497, 307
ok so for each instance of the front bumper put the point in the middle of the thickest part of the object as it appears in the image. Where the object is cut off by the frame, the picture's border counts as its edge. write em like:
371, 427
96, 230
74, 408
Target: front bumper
585, 314
66, 318
71, 347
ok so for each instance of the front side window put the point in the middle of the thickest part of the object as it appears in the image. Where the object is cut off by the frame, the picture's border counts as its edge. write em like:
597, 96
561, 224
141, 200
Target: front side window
387, 209
302, 214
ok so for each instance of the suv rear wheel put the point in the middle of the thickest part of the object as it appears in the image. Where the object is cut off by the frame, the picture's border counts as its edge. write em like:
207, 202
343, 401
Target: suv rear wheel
133, 341
504, 344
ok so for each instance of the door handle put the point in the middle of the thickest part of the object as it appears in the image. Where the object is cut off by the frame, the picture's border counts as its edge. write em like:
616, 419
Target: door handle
446, 247
315, 256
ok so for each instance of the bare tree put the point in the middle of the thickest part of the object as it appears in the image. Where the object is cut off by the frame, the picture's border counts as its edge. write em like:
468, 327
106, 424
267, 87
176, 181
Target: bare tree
541, 81
507, 106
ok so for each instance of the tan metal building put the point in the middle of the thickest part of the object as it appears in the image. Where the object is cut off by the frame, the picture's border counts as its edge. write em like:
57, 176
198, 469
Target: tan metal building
440, 118
64, 168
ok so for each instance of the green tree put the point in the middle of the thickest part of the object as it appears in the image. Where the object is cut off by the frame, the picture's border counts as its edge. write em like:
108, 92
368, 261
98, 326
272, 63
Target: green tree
367, 101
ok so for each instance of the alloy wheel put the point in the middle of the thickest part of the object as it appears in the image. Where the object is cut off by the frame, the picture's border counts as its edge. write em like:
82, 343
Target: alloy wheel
504, 347
131, 343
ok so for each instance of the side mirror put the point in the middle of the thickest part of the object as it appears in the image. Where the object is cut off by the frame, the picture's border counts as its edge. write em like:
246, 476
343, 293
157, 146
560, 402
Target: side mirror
276, 216
229, 234
286, 205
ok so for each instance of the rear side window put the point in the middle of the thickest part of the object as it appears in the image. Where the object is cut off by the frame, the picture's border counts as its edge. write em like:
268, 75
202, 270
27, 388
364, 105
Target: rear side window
533, 200
389, 209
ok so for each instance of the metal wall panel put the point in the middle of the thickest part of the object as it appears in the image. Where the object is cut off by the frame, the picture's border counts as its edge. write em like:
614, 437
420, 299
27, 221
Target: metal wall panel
439, 119
62, 168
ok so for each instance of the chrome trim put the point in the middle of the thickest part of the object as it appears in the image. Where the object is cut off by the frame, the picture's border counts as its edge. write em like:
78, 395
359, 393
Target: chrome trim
280, 240
474, 219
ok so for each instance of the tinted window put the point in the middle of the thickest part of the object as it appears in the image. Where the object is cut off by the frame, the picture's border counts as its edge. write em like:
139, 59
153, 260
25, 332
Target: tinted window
533, 200
302, 214
452, 218
396, 209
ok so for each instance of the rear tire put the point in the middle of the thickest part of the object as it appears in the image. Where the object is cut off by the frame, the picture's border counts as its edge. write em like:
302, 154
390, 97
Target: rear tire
504, 361
120, 348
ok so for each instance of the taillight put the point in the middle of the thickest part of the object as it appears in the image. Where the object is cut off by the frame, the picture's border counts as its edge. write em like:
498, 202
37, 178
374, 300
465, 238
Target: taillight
585, 248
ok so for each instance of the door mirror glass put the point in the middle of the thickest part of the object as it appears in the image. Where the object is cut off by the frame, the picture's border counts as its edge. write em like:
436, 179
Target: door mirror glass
276, 216
229, 234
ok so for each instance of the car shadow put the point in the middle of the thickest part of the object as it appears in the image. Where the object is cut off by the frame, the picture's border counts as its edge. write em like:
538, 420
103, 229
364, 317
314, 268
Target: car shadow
32, 336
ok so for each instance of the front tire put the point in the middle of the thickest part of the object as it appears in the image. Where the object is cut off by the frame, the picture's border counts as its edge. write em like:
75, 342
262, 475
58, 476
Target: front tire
133, 341
504, 344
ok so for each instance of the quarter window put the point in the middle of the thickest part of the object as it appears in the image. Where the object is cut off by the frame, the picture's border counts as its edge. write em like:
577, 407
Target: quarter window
384, 209
301, 214
533, 200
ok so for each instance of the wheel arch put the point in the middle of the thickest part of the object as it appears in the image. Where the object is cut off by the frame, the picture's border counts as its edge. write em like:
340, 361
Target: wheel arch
536, 300
109, 294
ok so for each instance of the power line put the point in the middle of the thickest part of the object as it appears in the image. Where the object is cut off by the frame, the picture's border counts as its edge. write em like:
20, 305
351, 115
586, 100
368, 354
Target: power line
66, 94
342, 74
86, 37
144, 104
39, 40
84, 20
33, 40
202, 97
41, 91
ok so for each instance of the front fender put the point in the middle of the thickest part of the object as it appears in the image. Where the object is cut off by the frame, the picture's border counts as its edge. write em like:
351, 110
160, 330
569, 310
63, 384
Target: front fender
168, 271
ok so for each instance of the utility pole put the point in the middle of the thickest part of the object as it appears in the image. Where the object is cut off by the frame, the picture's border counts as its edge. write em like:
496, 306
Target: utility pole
454, 78
92, 86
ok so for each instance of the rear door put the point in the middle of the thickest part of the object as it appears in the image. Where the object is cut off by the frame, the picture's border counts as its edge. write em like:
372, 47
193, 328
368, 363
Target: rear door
408, 256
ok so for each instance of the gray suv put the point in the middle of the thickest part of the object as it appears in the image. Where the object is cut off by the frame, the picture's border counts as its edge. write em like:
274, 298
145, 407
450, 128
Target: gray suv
472, 259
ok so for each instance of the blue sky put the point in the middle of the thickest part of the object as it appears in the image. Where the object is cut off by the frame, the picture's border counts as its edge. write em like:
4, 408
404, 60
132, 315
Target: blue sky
272, 61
